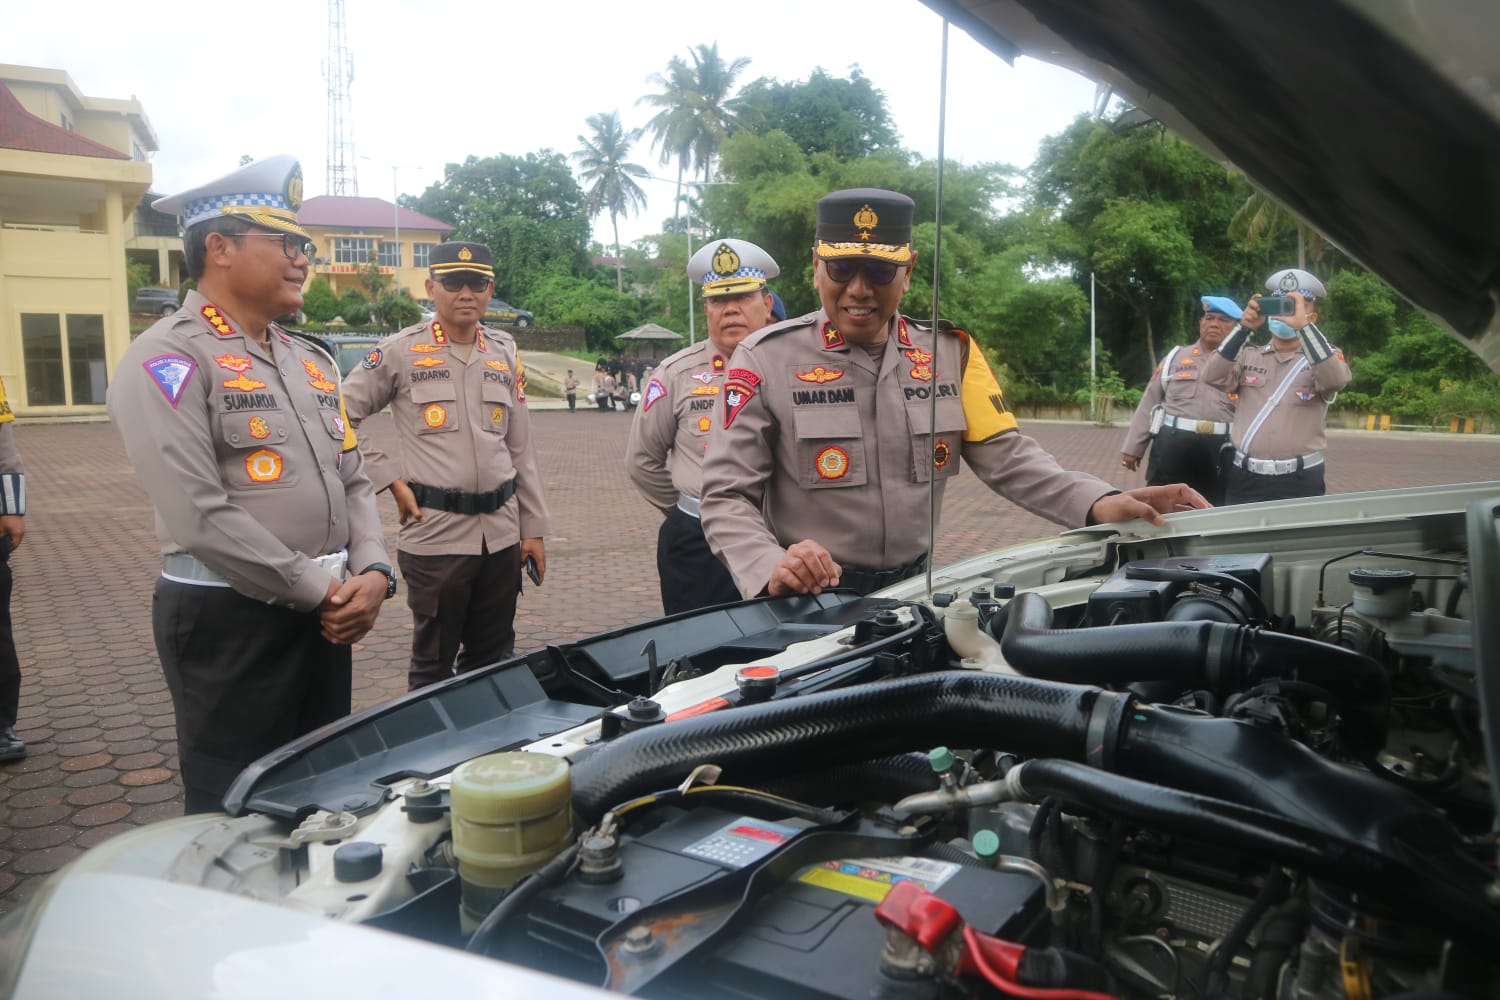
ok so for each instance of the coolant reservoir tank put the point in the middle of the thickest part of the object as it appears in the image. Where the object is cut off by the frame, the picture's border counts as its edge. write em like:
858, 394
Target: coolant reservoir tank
512, 813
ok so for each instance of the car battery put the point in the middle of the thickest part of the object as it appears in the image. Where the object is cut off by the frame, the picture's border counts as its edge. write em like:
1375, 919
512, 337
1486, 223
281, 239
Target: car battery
812, 936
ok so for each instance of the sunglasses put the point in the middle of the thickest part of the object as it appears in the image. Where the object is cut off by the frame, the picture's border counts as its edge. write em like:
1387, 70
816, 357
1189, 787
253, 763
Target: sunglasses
843, 269
473, 282
292, 246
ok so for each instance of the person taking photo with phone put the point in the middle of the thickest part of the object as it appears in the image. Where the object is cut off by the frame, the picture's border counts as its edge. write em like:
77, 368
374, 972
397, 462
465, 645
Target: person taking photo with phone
1284, 389
460, 465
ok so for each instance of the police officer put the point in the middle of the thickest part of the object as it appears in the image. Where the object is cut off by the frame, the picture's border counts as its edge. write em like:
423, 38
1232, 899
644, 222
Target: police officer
12, 530
817, 473
237, 431
1284, 391
676, 415
460, 466
570, 389
1188, 419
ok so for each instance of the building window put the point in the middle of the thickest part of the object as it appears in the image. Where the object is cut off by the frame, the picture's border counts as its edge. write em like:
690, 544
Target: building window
137, 153
64, 371
67, 122
353, 250
390, 254
420, 253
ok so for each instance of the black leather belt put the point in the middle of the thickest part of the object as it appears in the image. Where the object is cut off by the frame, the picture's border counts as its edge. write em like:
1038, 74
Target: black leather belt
867, 581
462, 501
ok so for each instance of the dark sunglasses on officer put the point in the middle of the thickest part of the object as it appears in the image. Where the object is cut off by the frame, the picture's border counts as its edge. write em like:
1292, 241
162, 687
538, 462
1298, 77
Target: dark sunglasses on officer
877, 272
458, 282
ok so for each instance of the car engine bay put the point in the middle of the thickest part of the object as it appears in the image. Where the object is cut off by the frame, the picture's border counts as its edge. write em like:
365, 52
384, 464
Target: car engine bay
1179, 767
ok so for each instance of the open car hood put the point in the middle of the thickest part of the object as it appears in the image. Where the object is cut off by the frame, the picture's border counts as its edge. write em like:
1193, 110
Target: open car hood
1387, 118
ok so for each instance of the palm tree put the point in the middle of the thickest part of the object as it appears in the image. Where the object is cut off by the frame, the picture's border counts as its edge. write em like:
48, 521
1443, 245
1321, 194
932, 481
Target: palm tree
1261, 216
694, 112
611, 178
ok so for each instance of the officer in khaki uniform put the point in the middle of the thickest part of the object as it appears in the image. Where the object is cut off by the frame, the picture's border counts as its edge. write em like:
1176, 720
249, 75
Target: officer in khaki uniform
1284, 390
817, 471
12, 530
676, 414
459, 464
238, 434
1183, 419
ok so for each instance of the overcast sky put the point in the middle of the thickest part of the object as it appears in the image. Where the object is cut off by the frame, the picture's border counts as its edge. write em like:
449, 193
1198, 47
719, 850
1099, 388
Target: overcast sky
436, 82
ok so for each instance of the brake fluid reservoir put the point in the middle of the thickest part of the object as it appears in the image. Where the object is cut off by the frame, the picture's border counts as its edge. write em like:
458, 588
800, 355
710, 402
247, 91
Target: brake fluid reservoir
512, 813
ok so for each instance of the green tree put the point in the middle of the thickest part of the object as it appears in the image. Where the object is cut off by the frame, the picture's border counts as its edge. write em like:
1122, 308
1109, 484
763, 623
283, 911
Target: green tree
591, 304
824, 114
528, 209
695, 110
320, 302
611, 178
354, 307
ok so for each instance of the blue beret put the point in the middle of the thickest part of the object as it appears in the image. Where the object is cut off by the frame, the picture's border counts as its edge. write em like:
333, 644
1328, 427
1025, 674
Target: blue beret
1222, 304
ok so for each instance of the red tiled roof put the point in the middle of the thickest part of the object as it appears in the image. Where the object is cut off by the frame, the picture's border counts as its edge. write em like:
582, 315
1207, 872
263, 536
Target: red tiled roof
20, 129
333, 211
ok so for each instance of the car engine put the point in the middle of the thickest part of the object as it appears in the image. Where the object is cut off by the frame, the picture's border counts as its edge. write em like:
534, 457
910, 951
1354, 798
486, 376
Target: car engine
1208, 772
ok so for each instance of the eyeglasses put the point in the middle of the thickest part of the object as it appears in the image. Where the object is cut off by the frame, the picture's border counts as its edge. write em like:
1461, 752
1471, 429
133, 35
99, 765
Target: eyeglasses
843, 269
292, 246
455, 283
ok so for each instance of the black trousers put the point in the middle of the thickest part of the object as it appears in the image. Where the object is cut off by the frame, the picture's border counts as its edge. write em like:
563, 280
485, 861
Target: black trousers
10, 664
245, 678
691, 575
466, 602
1248, 487
1186, 457
572, 401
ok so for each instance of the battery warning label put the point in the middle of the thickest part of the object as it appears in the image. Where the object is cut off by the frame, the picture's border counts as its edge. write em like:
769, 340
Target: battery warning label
872, 878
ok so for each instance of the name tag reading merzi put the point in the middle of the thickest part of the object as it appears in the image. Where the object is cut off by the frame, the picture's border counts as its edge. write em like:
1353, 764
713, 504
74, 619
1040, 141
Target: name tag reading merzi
430, 374
251, 401
805, 397
924, 392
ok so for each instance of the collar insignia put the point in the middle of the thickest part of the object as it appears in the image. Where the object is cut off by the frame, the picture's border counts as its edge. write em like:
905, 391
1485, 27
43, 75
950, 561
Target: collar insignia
217, 321
831, 337
901, 335
819, 374
438, 336
718, 363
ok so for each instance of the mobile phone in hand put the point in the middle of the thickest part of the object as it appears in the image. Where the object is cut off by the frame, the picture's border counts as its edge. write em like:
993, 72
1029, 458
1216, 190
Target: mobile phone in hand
536, 577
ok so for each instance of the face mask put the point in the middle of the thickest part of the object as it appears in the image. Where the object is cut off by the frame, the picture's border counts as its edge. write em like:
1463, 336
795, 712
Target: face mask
1282, 330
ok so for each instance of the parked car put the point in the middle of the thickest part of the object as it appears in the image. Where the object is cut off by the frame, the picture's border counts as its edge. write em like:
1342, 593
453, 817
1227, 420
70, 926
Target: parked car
503, 313
1250, 753
156, 301
349, 349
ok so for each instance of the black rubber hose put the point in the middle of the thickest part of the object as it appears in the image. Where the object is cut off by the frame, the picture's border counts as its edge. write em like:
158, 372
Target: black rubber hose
1403, 871
758, 742
1194, 654
1281, 934
889, 779
1272, 891
522, 893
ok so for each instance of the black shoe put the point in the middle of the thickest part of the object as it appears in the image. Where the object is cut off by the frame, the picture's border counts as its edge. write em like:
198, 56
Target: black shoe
12, 747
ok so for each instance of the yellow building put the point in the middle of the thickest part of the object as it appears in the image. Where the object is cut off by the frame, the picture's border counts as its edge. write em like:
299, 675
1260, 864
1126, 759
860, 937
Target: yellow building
72, 170
353, 233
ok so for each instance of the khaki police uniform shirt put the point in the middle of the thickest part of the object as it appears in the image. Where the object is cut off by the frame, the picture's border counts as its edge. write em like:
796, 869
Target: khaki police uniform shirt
676, 413
816, 439
1297, 424
10, 456
245, 453
1181, 392
459, 423
570, 384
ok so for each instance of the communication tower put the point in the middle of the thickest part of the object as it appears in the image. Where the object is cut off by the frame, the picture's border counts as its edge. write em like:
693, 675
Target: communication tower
338, 73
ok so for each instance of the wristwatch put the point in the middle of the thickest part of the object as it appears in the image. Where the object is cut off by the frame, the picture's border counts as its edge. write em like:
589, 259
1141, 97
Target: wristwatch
390, 577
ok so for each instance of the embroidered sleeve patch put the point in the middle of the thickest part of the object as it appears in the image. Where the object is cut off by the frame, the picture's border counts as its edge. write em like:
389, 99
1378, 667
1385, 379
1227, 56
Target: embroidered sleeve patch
372, 360
170, 372
736, 395
654, 391
744, 375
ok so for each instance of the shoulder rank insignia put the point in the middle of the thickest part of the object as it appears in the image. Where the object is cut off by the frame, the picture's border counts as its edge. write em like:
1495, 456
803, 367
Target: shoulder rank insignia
654, 390
831, 337
217, 321
232, 362
819, 375
170, 372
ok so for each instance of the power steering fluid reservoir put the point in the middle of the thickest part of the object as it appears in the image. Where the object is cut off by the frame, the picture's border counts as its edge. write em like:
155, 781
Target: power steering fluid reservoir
512, 813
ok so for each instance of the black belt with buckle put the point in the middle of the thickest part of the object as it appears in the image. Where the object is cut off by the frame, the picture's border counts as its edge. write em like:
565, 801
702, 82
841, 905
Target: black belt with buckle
867, 581
462, 501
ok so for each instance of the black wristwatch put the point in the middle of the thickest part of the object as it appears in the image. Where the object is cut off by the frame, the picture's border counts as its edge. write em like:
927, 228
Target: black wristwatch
390, 577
